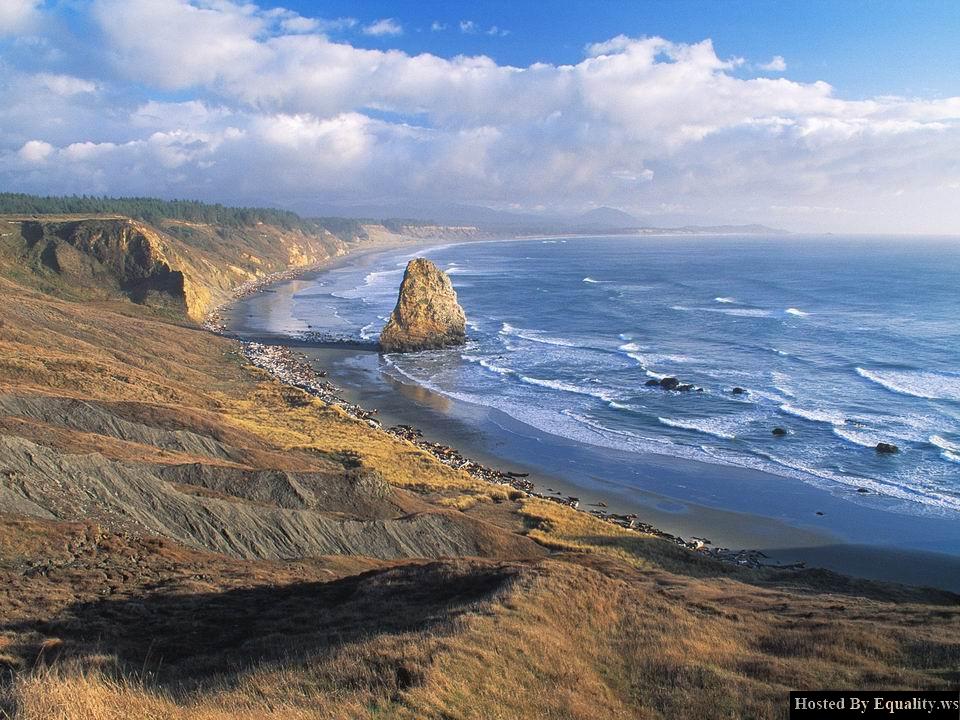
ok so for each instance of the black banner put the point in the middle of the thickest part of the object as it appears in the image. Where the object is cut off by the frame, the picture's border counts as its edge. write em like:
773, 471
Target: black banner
875, 704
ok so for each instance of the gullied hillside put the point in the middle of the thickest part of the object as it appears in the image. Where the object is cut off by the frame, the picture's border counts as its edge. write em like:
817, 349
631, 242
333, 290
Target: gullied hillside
183, 537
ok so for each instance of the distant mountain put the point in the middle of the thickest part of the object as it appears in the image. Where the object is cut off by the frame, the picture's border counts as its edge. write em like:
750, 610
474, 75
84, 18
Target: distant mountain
606, 217
601, 219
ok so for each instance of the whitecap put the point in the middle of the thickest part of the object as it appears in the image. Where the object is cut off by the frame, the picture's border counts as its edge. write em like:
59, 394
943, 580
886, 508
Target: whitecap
708, 427
781, 383
486, 364
858, 438
815, 415
944, 444
736, 312
533, 336
592, 281
950, 456
726, 300
930, 385
567, 387
634, 351
795, 312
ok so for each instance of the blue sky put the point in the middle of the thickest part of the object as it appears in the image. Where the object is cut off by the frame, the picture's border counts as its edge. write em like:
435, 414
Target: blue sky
862, 47
840, 116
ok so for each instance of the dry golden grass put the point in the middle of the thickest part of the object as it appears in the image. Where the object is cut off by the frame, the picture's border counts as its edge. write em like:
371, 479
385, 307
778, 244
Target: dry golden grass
308, 424
562, 640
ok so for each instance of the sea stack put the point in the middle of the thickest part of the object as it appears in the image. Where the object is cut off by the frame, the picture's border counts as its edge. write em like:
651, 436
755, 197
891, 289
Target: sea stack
427, 315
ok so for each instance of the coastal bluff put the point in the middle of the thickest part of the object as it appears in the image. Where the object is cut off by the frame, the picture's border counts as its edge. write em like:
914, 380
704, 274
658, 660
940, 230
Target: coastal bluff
427, 315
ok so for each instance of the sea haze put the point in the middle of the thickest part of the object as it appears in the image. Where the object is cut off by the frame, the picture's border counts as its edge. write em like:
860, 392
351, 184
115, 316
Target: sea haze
844, 342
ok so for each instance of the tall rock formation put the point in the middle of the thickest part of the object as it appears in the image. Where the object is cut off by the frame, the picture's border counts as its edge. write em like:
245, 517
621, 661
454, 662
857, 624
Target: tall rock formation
427, 315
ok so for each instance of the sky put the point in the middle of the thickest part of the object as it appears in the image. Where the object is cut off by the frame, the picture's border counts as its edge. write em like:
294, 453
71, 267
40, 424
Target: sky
813, 116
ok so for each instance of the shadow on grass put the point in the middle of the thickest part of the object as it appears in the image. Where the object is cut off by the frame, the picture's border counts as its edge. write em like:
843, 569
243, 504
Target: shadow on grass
182, 638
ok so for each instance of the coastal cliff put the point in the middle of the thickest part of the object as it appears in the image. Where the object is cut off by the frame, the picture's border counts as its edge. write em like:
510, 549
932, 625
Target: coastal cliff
427, 315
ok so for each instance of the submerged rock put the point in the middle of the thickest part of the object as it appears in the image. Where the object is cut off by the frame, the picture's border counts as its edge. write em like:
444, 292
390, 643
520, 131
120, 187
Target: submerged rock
427, 315
887, 448
779, 431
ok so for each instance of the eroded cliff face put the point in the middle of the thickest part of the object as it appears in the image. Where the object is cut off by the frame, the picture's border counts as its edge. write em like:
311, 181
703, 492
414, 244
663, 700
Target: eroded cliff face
100, 258
427, 315
188, 267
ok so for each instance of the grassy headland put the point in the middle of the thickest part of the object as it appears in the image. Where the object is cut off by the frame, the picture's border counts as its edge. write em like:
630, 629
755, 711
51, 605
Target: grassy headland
183, 537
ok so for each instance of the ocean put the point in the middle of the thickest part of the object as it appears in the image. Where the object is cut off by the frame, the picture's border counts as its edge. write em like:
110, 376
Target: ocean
842, 342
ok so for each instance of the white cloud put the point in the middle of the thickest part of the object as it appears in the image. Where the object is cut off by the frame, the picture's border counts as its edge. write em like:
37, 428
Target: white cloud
469, 27
35, 151
175, 43
776, 64
437, 26
386, 26
17, 15
65, 85
270, 112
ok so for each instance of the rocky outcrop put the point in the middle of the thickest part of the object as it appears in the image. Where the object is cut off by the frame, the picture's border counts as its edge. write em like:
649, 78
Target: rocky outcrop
427, 315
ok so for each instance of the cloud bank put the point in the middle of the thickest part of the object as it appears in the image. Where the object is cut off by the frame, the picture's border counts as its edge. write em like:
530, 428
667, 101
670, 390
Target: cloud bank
232, 102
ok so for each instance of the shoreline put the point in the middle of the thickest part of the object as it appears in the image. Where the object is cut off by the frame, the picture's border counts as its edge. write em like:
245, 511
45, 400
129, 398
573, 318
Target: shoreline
282, 364
782, 543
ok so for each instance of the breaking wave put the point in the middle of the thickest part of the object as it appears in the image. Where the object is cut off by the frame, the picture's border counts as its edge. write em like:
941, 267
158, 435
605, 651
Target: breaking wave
930, 385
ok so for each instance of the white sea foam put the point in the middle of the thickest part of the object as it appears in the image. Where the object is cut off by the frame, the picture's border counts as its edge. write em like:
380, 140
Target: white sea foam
857, 437
743, 312
591, 281
736, 312
567, 387
795, 312
707, 426
533, 336
930, 385
487, 365
781, 382
726, 300
814, 414
602, 436
369, 331
635, 352
373, 283
950, 456
944, 444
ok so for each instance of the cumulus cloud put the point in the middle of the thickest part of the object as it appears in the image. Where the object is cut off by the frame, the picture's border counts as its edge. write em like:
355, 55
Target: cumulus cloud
65, 85
386, 26
17, 15
35, 151
776, 64
271, 109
